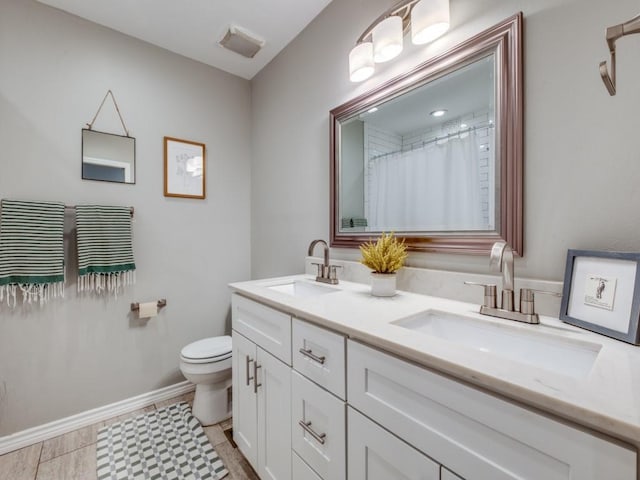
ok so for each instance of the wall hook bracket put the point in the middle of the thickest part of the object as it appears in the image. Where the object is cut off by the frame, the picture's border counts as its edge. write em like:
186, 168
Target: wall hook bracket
614, 33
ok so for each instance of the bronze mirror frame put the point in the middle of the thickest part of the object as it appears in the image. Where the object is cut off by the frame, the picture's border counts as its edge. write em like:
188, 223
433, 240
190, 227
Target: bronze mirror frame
505, 41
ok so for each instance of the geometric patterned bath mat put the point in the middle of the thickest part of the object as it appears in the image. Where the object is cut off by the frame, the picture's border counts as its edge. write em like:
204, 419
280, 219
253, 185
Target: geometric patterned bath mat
166, 444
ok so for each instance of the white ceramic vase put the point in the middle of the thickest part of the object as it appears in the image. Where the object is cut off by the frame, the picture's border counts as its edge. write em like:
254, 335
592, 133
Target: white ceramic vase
383, 284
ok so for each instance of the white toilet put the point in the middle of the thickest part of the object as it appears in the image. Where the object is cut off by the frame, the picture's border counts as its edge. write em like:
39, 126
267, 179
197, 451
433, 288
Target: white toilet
207, 363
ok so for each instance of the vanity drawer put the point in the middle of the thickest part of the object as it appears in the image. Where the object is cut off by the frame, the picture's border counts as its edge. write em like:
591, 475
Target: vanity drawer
320, 356
476, 435
374, 453
268, 328
300, 470
321, 444
447, 475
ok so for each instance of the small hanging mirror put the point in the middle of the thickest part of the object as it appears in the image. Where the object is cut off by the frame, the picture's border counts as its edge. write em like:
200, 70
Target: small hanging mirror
108, 157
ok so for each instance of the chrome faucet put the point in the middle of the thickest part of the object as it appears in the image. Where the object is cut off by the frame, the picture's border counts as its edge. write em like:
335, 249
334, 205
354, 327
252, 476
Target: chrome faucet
326, 272
501, 259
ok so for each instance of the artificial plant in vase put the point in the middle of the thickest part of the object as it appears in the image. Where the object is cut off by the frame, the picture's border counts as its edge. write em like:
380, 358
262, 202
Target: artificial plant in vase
384, 257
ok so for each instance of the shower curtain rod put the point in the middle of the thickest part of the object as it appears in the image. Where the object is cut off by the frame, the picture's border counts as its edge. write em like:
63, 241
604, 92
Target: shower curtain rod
433, 140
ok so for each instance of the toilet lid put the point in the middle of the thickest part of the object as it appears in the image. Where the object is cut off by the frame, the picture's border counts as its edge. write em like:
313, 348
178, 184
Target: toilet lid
215, 348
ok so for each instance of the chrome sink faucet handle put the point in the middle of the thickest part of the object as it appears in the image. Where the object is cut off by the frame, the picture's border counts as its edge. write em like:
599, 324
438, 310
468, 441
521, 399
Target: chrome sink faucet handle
501, 260
489, 293
527, 299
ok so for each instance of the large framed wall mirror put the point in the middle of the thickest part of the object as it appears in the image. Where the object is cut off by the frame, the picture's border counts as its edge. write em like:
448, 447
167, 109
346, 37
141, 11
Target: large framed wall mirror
435, 155
108, 157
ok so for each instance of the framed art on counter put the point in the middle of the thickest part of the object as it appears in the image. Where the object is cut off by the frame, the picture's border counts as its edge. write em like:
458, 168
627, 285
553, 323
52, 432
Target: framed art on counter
602, 293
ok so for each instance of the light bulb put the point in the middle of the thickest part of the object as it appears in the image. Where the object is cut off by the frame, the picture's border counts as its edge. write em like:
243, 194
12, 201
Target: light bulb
429, 20
361, 64
387, 39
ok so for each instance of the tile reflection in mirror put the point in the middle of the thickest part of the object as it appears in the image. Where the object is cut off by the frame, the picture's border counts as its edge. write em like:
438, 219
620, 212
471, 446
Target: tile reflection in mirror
424, 168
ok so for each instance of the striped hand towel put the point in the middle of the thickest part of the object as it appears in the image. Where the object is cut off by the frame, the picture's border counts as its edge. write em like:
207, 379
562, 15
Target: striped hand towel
105, 250
31, 250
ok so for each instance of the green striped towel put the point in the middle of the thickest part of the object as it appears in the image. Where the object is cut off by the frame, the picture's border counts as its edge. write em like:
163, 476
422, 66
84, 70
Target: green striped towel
105, 250
31, 250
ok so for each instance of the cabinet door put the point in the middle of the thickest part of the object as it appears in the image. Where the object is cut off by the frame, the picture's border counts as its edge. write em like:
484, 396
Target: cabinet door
274, 417
318, 428
478, 436
245, 420
375, 454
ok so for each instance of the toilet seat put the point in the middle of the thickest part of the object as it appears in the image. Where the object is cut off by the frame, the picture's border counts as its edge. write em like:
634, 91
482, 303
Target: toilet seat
207, 350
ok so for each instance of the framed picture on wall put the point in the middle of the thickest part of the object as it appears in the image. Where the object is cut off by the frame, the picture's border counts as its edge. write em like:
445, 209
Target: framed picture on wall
184, 168
602, 293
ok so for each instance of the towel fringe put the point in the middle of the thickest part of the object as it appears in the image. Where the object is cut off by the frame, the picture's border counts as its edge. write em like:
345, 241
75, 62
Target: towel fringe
31, 292
111, 282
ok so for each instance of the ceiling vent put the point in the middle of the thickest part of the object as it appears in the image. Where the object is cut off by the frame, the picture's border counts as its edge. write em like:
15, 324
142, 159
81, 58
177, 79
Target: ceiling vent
241, 42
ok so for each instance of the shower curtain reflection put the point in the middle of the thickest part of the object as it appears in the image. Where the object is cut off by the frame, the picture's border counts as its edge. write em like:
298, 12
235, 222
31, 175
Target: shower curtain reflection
435, 188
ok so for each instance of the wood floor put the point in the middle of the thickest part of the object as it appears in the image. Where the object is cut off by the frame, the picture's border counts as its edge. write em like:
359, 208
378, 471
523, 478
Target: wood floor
73, 456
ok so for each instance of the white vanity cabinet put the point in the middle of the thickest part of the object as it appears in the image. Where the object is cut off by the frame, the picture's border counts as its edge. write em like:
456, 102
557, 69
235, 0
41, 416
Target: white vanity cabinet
375, 454
309, 404
477, 435
318, 416
262, 388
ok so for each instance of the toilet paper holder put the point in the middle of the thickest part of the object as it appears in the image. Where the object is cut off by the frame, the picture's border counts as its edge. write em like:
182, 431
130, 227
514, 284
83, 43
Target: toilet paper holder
161, 303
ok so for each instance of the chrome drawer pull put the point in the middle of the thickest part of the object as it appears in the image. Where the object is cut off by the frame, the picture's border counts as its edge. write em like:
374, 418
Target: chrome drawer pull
249, 377
320, 437
308, 353
255, 377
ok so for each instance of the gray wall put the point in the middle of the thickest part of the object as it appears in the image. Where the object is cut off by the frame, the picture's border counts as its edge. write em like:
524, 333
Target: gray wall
80, 353
582, 150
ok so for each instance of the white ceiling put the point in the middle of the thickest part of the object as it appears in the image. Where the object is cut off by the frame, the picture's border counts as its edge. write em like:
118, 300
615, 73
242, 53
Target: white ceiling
466, 90
193, 27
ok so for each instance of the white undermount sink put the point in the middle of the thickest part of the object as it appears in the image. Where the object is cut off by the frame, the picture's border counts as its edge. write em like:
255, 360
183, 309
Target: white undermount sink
560, 355
302, 289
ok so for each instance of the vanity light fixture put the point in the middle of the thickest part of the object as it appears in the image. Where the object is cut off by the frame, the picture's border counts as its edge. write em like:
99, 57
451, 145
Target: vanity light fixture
438, 113
382, 40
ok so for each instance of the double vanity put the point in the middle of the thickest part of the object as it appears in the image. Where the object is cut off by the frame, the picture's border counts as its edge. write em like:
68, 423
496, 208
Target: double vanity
331, 383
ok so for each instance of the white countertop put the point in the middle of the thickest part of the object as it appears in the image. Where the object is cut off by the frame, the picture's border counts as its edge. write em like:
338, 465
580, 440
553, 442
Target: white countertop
606, 399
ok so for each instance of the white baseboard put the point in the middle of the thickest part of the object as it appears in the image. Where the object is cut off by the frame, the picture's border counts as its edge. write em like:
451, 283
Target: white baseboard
37, 434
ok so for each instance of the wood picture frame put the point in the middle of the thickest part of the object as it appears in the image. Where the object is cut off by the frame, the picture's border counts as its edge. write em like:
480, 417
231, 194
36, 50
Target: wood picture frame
602, 293
184, 168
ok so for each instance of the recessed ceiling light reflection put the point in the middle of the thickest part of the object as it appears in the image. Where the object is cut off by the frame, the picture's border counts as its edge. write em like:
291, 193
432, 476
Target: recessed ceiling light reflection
438, 113
372, 110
